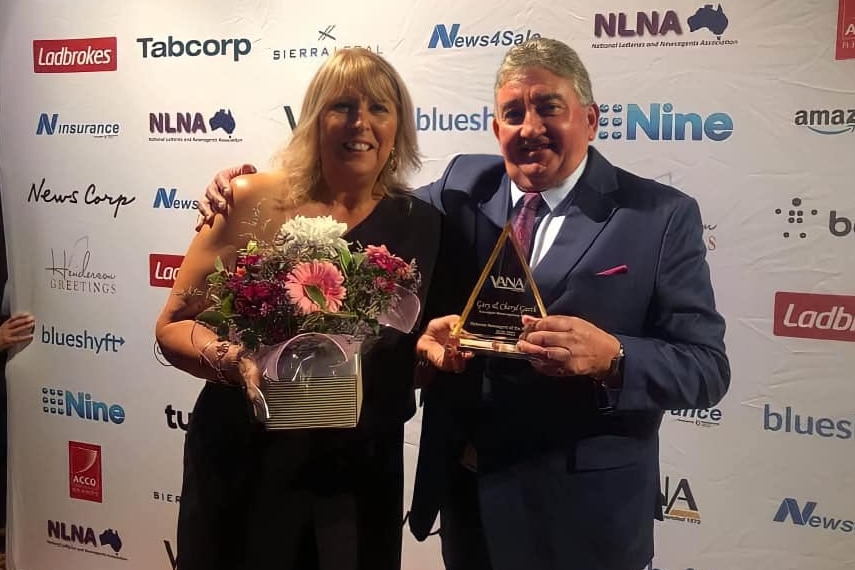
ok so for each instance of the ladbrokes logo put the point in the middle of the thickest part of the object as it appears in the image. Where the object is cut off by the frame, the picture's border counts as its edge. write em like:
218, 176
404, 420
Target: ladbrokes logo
163, 269
661, 122
82, 340
678, 502
192, 127
233, 48
665, 29
72, 271
74, 55
327, 41
811, 315
61, 402
450, 37
806, 516
84, 472
83, 538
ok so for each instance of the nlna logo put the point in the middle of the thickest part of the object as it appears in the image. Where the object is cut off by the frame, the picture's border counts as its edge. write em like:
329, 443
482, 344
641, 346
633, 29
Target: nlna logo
662, 123
804, 516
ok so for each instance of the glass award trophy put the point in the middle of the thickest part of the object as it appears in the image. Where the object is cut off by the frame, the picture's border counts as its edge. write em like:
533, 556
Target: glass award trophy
491, 322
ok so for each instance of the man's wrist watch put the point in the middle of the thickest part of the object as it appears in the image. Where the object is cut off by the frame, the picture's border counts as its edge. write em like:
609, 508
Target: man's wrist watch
614, 377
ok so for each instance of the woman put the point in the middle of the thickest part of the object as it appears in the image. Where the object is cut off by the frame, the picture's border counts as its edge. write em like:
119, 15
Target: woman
306, 499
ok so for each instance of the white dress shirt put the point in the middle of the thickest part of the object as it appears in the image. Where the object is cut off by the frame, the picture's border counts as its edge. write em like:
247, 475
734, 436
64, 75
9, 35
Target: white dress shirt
550, 225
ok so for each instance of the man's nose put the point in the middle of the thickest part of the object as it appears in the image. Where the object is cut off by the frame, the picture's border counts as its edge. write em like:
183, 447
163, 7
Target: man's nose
532, 125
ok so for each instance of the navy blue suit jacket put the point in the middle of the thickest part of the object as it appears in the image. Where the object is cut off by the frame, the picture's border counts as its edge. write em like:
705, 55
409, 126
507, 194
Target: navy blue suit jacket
565, 483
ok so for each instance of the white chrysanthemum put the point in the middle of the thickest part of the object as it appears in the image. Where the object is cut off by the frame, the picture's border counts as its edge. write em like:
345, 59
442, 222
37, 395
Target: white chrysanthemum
322, 232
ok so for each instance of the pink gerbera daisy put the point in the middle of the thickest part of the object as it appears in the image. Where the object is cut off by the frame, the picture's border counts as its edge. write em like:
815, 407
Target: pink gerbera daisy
320, 274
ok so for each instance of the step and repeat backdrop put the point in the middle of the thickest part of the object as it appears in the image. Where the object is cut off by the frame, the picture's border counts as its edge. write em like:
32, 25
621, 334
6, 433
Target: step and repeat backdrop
114, 116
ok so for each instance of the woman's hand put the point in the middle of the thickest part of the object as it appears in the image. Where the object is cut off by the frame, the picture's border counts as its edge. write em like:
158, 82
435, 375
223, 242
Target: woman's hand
16, 329
439, 346
236, 366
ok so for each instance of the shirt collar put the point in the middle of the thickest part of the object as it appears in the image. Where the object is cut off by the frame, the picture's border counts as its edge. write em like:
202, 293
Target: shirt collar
555, 195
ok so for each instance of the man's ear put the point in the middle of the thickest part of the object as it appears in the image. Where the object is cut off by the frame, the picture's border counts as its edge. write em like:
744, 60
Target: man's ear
592, 117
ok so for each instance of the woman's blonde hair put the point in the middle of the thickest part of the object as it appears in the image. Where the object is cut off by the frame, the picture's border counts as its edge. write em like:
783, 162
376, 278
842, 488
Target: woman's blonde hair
346, 69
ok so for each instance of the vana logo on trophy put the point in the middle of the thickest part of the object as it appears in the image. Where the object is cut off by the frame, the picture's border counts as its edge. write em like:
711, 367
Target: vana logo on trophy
491, 321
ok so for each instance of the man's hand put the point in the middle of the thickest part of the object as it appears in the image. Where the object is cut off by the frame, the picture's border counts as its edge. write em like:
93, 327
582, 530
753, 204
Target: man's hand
568, 346
218, 194
16, 329
439, 347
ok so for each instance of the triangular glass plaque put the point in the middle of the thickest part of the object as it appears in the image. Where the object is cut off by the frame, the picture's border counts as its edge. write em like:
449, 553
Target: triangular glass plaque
491, 322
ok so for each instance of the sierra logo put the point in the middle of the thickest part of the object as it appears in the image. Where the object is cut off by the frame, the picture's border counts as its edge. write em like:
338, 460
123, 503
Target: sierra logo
84, 472
804, 516
811, 315
163, 269
74, 55
509, 283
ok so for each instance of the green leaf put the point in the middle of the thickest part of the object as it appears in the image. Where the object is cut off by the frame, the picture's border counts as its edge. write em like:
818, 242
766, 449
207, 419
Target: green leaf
346, 258
218, 264
213, 318
227, 306
315, 295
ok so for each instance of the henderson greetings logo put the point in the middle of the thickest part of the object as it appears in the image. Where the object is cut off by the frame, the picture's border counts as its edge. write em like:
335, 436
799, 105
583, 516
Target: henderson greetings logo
84, 472
655, 29
661, 122
72, 271
816, 316
74, 55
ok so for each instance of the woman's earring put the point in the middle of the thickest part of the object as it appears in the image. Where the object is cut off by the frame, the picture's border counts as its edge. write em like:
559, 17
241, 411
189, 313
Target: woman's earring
393, 161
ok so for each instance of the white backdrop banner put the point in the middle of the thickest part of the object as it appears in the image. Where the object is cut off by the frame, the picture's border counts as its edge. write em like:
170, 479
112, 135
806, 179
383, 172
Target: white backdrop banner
114, 115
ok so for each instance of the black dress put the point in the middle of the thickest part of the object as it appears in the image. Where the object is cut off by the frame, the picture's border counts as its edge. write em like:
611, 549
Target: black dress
304, 499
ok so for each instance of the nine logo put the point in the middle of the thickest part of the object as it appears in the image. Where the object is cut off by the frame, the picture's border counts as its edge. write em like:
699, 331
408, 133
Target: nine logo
661, 123
813, 315
61, 402
74, 55
84, 472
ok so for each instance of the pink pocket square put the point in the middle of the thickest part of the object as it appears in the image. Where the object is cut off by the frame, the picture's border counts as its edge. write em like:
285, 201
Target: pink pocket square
613, 271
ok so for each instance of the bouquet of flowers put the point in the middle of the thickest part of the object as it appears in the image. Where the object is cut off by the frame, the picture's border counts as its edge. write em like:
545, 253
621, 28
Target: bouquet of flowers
305, 302
306, 280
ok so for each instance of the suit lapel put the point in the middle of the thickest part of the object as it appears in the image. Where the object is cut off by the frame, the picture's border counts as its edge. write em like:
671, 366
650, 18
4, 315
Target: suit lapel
589, 208
496, 207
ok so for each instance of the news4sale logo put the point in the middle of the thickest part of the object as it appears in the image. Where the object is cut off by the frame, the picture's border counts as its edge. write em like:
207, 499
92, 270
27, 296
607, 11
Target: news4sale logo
85, 480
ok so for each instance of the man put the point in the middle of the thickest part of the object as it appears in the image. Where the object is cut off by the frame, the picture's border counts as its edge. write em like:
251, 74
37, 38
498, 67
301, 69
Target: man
553, 464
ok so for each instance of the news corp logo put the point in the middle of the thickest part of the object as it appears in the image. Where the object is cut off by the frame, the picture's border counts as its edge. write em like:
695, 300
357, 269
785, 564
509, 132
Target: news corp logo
664, 29
815, 316
83, 538
805, 515
57, 401
661, 122
789, 421
163, 269
678, 501
826, 121
74, 55
90, 197
193, 126
451, 37
171, 47
326, 42
84, 472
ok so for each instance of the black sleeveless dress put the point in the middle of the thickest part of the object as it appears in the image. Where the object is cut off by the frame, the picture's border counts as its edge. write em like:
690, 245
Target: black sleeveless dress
304, 499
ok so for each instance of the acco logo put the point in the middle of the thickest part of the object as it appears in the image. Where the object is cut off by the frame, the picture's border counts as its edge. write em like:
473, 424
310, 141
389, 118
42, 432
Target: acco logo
84, 472
74, 55
163, 269
810, 315
176, 48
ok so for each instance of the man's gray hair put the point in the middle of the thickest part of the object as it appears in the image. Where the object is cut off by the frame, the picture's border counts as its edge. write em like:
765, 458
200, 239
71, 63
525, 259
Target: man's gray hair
549, 54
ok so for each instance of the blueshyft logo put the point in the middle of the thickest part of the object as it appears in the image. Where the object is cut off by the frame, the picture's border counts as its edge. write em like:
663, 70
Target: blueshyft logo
97, 343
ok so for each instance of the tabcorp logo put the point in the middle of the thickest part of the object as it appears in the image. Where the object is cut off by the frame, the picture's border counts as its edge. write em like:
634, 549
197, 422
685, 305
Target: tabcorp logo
678, 503
326, 42
448, 37
233, 48
664, 29
662, 123
192, 126
826, 121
